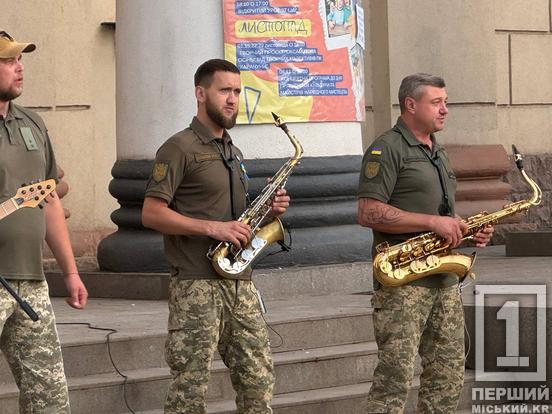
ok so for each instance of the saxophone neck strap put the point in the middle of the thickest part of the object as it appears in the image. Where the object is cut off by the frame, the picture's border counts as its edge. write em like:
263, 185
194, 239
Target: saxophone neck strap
227, 161
444, 208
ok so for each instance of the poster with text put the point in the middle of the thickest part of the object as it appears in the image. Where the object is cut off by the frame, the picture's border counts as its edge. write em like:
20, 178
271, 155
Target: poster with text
301, 59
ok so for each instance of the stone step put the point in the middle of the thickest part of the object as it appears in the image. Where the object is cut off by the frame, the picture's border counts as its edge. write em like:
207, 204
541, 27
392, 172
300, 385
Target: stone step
279, 283
145, 389
349, 399
309, 322
491, 266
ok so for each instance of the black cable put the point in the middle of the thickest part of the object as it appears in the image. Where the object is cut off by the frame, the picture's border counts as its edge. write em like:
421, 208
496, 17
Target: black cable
262, 309
111, 332
275, 332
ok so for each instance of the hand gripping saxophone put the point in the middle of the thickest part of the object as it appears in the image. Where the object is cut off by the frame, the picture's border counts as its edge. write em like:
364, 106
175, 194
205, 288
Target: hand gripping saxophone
428, 254
231, 262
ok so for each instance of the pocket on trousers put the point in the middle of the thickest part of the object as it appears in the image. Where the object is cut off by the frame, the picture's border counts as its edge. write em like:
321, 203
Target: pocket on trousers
188, 300
387, 298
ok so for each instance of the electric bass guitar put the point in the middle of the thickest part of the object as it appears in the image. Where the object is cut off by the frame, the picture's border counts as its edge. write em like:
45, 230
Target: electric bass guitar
28, 196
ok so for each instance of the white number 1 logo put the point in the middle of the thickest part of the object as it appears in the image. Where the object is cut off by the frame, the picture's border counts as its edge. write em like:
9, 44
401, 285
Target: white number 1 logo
510, 313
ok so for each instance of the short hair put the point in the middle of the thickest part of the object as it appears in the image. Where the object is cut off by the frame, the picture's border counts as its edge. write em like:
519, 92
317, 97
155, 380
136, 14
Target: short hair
412, 86
205, 72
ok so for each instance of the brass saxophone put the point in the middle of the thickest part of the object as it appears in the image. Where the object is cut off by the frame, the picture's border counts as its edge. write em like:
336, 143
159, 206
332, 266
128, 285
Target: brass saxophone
231, 262
428, 254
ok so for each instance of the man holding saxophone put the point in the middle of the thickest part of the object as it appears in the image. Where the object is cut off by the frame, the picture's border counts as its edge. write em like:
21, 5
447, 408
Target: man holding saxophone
196, 192
407, 187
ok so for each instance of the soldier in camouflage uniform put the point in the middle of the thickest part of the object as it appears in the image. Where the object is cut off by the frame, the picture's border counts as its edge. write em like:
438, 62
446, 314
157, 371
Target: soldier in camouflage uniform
406, 187
196, 192
32, 349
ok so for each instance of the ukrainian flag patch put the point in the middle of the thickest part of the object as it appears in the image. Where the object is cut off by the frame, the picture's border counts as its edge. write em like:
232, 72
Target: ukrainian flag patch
376, 151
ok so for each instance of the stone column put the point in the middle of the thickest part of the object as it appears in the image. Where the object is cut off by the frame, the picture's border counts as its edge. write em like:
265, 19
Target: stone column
159, 45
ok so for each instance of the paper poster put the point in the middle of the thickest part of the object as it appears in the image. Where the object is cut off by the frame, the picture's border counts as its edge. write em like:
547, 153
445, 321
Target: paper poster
302, 59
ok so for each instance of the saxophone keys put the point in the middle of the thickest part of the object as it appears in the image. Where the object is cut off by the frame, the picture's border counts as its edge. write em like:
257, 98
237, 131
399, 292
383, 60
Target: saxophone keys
429, 246
257, 243
433, 261
386, 267
247, 255
407, 248
418, 266
404, 257
399, 273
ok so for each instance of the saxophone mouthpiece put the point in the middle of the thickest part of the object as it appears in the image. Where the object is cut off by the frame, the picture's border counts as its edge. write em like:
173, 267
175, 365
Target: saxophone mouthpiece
517, 157
278, 121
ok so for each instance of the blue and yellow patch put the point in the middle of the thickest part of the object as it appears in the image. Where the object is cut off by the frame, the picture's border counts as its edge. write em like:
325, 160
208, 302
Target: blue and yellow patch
376, 151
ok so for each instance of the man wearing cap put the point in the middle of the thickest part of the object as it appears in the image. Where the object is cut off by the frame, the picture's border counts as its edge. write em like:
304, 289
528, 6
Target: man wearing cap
32, 349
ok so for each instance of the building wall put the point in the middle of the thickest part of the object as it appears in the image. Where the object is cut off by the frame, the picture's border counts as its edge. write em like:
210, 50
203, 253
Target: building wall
495, 55
70, 81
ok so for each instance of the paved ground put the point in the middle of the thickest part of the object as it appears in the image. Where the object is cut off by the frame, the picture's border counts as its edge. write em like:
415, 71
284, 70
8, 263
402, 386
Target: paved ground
139, 317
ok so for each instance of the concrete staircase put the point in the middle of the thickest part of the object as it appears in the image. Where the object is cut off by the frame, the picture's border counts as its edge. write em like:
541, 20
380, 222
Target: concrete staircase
321, 333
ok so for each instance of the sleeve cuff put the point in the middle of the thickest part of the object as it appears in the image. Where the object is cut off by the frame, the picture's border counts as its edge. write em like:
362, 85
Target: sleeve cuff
375, 196
159, 194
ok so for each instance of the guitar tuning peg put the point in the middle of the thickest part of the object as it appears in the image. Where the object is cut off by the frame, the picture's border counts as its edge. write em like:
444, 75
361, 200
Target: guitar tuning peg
46, 200
52, 195
40, 206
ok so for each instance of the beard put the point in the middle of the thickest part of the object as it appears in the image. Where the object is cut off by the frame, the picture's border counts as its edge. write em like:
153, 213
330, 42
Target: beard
226, 122
10, 94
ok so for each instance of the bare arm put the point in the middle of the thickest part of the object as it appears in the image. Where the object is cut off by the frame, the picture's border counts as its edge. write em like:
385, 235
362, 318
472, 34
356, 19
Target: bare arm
157, 215
57, 238
388, 219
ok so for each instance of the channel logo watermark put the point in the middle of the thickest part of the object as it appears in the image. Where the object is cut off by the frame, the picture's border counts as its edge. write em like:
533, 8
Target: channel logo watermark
512, 365
513, 317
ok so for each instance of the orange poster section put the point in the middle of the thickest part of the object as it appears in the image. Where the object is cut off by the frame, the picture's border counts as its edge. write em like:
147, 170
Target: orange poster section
300, 59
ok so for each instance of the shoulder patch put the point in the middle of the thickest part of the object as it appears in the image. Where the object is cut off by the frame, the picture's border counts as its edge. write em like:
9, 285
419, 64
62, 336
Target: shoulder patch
372, 169
159, 172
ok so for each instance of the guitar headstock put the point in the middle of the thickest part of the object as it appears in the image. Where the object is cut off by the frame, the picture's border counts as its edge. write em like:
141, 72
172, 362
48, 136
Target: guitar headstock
32, 195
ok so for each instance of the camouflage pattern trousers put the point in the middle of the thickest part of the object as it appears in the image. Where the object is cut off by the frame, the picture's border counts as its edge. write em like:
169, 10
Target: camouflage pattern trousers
208, 314
32, 349
412, 319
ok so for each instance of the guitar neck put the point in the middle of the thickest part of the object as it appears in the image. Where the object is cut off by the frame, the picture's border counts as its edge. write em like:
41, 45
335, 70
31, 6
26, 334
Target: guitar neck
8, 207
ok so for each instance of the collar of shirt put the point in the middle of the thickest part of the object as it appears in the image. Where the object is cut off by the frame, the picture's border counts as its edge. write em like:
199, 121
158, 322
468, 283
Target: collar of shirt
13, 113
409, 137
205, 135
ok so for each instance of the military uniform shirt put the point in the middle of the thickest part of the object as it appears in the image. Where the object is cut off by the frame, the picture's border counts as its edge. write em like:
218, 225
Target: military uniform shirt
399, 170
25, 155
190, 174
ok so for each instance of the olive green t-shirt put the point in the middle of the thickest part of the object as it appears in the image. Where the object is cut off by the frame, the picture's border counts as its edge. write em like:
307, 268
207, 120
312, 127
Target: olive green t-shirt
197, 174
25, 155
399, 170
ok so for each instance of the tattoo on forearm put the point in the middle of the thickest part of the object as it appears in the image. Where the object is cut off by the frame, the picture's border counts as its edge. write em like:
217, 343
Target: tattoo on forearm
381, 215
